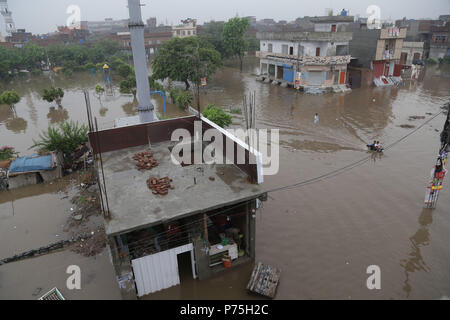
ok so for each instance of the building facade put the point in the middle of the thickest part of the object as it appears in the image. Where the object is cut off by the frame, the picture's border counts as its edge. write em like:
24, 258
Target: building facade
153, 38
378, 50
411, 51
316, 59
440, 42
187, 29
198, 219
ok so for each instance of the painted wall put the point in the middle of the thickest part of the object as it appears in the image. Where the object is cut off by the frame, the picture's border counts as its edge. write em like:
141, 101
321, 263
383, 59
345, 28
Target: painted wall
308, 48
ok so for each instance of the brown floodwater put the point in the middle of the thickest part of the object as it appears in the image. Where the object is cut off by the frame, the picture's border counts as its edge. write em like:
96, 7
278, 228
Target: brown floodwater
324, 235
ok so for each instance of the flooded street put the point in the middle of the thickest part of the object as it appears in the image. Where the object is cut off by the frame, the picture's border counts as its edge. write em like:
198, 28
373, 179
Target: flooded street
323, 235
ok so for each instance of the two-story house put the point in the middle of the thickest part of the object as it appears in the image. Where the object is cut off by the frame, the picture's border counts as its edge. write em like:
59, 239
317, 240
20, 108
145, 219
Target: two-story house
440, 41
377, 51
307, 59
187, 29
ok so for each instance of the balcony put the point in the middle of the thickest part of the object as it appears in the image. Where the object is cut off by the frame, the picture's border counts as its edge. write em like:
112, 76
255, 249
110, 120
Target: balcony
304, 60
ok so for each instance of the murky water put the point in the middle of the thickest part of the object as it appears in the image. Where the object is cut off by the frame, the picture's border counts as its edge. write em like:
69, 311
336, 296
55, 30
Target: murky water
323, 236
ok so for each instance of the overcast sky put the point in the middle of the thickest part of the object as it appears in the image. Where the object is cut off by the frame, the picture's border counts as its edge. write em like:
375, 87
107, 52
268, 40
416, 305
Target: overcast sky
42, 16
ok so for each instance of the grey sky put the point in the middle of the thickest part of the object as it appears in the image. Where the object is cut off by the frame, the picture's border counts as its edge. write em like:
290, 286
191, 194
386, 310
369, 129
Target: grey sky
42, 16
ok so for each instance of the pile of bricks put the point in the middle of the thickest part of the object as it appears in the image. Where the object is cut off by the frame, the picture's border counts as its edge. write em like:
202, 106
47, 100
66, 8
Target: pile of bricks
145, 160
160, 185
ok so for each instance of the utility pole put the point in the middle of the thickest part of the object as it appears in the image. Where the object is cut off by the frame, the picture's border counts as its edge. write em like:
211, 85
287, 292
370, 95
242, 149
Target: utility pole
136, 26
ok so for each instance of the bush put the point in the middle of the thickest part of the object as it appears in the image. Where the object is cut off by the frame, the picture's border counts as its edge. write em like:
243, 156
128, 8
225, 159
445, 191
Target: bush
217, 115
125, 70
445, 60
89, 66
7, 153
53, 94
431, 61
68, 71
184, 99
99, 89
128, 85
36, 72
155, 86
9, 97
64, 138
236, 111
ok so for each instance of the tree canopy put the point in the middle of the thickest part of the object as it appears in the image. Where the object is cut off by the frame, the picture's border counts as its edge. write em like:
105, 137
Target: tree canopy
212, 32
234, 39
186, 60
53, 94
70, 57
217, 115
9, 97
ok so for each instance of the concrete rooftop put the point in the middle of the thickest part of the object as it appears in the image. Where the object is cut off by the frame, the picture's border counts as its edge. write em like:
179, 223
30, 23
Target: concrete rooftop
133, 206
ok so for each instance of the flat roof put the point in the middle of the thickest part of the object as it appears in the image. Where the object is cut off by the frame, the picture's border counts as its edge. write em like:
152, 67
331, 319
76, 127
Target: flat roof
133, 205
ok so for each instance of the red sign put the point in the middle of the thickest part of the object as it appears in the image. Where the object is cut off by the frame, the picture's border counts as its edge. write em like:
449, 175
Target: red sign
203, 81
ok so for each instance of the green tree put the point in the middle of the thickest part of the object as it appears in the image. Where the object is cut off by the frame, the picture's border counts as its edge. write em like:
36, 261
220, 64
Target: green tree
186, 59
128, 86
9, 97
99, 89
217, 115
125, 70
53, 94
212, 32
234, 39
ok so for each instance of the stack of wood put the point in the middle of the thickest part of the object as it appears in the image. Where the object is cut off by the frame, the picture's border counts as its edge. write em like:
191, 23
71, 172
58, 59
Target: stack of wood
264, 280
160, 185
145, 160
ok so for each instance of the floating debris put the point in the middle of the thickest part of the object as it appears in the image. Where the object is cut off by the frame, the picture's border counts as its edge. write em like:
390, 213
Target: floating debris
160, 185
145, 160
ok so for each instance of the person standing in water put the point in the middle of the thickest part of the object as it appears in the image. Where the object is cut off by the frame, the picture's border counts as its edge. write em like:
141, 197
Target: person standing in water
316, 118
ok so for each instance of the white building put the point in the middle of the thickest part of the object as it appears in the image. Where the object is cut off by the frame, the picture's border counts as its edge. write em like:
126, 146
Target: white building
307, 59
411, 51
187, 29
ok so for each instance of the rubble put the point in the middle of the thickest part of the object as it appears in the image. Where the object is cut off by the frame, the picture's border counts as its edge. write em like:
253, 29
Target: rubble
145, 160
160, 185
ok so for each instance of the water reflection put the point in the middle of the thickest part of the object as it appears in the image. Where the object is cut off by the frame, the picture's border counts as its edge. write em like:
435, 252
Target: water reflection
420, 239
57, 115
130, 108
17, 125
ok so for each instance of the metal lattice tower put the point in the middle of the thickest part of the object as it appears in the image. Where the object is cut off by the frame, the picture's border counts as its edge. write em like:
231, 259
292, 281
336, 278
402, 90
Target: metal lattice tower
7, 17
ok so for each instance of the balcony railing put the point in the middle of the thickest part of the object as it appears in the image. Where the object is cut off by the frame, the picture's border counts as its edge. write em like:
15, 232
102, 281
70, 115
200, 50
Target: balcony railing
304, 60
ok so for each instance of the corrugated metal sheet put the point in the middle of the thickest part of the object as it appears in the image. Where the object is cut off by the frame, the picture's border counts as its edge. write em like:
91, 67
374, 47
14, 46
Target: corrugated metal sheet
159, 271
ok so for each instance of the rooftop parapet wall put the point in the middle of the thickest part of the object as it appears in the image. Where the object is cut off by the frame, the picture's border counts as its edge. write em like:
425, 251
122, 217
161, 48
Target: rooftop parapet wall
306, 36
305, 60
331, 19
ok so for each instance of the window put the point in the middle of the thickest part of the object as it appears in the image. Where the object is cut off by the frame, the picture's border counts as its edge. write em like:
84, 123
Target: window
291, 50
270, 47
284, 49
341, 50
158, 41
333, 28
317, 52
149, 41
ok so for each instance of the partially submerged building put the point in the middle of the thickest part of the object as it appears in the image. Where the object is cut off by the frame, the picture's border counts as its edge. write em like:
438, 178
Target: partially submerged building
440, 42
34, 169
412, 51
208, 212
308, 59
376, 55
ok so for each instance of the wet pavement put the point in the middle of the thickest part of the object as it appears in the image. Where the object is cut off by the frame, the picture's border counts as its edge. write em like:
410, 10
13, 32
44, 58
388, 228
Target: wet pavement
324, 235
